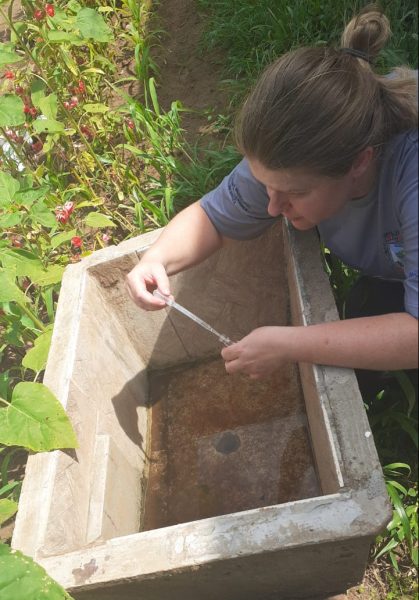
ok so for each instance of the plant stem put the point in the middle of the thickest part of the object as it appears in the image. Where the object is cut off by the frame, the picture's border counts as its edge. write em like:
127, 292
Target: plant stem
32, 316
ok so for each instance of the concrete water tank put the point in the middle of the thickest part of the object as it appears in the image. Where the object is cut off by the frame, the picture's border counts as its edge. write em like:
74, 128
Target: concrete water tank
188, 483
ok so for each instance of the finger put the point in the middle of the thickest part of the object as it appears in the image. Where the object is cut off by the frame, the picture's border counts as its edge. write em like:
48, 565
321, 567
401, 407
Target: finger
161, 279
142, 297
230, 352
233, 366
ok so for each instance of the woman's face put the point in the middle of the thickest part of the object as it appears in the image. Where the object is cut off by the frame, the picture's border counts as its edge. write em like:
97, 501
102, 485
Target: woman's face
303, 198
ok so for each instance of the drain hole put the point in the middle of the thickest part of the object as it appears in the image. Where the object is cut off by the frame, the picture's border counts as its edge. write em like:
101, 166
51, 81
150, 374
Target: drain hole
228, 442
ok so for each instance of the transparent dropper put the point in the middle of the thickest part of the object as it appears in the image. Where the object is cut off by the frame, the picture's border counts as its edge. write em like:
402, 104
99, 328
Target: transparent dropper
222, 338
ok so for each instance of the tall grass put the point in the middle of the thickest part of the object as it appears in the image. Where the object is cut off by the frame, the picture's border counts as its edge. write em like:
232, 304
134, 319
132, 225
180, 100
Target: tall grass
253, 34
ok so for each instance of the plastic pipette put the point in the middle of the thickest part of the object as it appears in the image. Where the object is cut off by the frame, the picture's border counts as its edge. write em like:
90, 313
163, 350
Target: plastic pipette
222, 338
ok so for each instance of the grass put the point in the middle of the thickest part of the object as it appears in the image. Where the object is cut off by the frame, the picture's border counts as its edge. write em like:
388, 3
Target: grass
253, 34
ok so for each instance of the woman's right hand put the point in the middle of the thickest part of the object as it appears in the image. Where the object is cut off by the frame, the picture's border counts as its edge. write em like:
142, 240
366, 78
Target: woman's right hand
143, 279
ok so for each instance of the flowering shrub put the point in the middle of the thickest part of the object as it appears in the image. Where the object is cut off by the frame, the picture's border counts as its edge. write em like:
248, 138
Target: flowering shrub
76, 155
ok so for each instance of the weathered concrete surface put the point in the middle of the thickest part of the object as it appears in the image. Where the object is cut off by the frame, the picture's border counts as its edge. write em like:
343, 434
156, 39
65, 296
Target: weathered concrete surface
80, 512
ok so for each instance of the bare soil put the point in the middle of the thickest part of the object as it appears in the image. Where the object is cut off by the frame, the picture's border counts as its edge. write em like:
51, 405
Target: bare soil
186, 72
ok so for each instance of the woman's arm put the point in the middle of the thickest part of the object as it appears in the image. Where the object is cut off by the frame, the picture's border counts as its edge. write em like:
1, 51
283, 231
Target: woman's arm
187, 240
385, 342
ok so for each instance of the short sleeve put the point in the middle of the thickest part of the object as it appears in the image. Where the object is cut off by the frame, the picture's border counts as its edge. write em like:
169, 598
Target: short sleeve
238, 206
407, 192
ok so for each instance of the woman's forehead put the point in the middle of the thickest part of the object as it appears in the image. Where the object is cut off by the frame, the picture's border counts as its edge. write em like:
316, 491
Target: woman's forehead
284, 179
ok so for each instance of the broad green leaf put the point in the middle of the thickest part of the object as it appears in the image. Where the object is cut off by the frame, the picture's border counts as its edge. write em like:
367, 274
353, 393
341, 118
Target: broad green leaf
25, 263
10, 219
8, 188
92, 25
42, 215
36, 357
59, 37
9, 291
38, 88
97, 202
35, 419
95, 108
11, 111
8, 56
95, 219
62, 238
7, 509
51, 275
48, 126
26, 197
62, 20
20, 28
22, 579
49, 106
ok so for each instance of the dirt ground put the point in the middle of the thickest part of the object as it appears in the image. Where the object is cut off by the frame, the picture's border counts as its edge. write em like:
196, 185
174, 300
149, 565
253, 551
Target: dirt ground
191, 76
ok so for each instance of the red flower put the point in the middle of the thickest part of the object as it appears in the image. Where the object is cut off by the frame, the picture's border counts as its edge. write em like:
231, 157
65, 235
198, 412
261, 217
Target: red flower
26, 109
66, 104
76, 242
87, 132
17, 242
19, 90
39, 15
37, 146
130, 124
9, 75
33, 112
49, 9
82, 87
69, 207
62, 213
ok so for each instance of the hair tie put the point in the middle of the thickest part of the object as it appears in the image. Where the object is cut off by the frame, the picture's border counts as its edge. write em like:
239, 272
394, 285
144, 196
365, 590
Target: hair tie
356, 53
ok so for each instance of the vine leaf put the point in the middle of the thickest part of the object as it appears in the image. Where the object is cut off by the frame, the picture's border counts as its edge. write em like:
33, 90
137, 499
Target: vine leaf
21, 577
35, 419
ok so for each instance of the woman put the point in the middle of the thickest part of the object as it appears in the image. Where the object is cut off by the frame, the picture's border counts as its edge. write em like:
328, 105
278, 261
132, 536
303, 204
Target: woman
327, 143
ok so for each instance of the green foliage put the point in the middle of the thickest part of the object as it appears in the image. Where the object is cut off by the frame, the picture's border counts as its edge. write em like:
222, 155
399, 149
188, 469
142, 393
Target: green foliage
35, 419
21, 578
402, 536
253, 34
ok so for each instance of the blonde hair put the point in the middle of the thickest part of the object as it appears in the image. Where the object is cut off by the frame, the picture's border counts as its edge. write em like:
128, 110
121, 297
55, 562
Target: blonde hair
317, 108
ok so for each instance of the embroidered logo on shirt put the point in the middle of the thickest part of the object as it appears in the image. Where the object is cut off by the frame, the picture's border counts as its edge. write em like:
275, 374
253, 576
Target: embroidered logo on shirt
393, 247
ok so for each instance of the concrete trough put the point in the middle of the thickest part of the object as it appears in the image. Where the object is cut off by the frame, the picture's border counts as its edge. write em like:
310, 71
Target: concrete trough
189, 484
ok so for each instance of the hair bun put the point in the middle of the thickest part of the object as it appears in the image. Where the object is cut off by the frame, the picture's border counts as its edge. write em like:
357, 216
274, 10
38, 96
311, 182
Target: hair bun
367, 32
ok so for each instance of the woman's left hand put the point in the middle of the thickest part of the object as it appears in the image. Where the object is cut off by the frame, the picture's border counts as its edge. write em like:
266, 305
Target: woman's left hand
259, 353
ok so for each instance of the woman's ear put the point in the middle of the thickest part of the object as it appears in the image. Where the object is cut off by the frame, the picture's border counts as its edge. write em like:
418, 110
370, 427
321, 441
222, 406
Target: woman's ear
362, 161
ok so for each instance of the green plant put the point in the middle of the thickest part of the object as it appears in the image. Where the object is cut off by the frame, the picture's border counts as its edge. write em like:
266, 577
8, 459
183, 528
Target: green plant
253, 34
21, 577
402, 531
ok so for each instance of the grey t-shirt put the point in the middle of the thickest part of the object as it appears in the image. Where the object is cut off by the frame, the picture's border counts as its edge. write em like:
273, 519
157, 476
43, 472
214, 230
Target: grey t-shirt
377, 234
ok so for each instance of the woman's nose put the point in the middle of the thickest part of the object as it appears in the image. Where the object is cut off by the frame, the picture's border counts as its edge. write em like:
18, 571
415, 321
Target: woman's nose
278, 203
